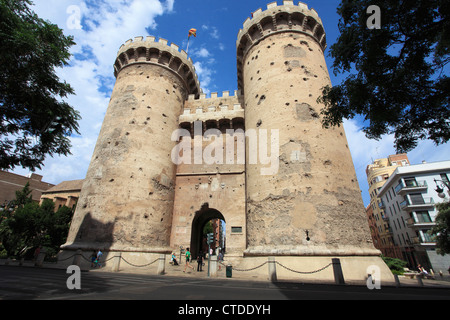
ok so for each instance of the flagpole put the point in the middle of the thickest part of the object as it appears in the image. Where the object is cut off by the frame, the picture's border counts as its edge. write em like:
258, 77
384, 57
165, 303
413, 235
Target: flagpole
187, 49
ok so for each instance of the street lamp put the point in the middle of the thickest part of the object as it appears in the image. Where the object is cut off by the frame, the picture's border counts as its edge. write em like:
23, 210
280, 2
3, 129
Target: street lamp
439, 188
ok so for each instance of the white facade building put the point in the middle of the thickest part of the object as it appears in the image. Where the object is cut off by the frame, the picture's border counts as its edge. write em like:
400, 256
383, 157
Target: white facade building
409, 199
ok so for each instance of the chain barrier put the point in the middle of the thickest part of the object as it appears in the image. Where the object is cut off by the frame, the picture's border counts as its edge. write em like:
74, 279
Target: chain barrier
137, 266
251, 269
89, 260
287, 268
303, 272
220, 262
59, 260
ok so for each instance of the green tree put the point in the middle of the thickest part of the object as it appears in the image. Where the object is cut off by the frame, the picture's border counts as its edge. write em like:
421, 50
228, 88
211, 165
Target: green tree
25, 229
208, 228
36, 122
397, 77
395, 265
441, 231
22, 197
30, 225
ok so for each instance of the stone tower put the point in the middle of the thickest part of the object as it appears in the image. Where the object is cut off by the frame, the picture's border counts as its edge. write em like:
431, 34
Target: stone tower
312, 205
310, 209
126, 201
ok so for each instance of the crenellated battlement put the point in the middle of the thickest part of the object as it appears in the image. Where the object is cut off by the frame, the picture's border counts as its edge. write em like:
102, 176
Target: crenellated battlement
214, 107
277, 19
215, 95
140, 50
283, 18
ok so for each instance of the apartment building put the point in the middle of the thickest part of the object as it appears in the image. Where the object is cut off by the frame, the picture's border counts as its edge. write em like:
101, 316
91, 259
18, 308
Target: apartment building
408, 199
378, 172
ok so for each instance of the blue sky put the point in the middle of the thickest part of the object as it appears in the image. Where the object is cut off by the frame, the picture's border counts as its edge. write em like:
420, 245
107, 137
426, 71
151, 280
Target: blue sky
100, 27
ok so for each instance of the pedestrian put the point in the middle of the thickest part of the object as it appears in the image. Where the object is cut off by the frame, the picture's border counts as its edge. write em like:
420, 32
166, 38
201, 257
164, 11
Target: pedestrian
99, 256
174, 259
220, 258
93, 259
188, 258
199, 261
422, 271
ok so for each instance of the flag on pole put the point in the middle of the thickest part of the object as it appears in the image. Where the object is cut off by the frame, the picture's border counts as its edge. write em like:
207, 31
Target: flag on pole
193, 32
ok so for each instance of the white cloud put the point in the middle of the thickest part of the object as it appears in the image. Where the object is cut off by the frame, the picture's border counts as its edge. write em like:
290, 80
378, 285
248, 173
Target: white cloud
202, 53
204, 74
213, 31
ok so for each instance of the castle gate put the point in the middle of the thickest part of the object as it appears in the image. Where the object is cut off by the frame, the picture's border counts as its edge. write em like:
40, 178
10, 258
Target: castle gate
201, 218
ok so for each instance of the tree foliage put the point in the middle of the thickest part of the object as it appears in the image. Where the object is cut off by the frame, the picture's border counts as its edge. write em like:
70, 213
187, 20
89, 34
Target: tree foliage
26, 224
395, 265
400, 85
35, 122
441, 231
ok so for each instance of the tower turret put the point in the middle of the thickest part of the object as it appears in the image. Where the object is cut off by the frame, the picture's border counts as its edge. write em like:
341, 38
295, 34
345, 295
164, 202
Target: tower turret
126, 202
312, 205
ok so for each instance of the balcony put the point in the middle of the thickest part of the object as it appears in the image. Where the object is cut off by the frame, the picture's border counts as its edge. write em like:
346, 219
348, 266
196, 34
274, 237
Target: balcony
410, 186
423, 241
417, 204
412, 223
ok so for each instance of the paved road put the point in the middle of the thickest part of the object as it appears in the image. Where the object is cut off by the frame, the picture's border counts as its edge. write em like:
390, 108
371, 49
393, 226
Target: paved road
25, 283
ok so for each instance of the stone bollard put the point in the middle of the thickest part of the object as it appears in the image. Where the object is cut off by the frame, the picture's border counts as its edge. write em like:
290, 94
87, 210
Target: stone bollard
397, 281
272, 269
419, 280
116, 262
213, 267
161, 264
40, 258
337, 271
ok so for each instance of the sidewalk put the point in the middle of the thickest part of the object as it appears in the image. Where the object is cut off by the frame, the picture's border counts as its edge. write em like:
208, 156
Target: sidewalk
177, 271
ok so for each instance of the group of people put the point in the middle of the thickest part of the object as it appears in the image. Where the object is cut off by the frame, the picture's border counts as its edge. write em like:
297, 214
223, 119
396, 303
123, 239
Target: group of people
199, 261
200, 258
95, 259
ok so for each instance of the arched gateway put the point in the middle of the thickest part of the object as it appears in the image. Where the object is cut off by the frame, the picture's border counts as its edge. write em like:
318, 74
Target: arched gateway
201, 217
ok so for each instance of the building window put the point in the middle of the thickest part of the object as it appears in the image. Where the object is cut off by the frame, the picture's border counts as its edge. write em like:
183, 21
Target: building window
416, 198
410, 182
423, 216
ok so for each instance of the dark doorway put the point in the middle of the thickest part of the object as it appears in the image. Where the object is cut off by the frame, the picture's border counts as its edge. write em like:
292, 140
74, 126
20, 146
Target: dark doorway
201, 217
